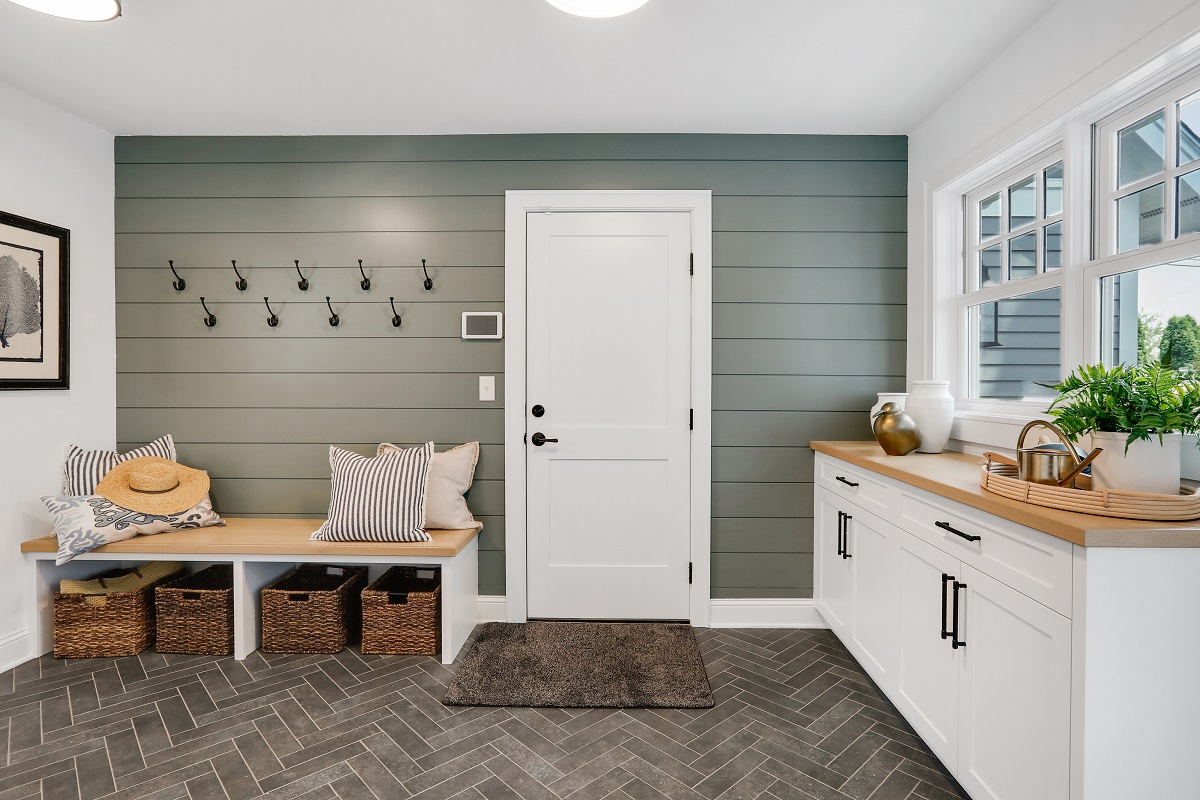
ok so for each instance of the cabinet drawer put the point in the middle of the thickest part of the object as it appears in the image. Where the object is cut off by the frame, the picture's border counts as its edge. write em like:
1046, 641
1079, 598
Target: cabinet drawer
1034, 563
862, 487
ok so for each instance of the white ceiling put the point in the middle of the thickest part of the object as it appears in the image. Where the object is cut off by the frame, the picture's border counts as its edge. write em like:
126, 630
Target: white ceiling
222, 67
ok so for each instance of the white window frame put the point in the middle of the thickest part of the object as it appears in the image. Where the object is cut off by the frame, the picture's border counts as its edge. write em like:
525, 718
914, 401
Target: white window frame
941, 335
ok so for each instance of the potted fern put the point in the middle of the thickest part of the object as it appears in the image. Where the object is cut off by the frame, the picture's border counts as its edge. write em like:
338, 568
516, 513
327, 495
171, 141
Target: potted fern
1138, 414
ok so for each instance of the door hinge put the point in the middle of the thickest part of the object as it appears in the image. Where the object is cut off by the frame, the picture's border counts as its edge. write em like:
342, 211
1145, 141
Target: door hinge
691, 419
691, 263
689, 572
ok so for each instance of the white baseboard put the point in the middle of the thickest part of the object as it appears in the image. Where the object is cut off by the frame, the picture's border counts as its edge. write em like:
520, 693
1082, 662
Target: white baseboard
15, 649
783, 612
492, 608
774, 612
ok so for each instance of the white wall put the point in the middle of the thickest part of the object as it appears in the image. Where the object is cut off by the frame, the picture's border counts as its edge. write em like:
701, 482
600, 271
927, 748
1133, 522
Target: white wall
56, 169
1081, 49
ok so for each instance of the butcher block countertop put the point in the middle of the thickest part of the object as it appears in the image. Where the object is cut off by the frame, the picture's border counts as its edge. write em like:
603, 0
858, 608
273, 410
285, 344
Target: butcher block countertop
955, 476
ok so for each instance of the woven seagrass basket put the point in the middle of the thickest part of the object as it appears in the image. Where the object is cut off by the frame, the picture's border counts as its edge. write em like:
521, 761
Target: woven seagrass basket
315, 608
105, 625
195, 613
402, 612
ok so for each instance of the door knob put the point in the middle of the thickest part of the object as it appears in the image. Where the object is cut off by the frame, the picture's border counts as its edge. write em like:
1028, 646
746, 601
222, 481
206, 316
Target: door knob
539, 439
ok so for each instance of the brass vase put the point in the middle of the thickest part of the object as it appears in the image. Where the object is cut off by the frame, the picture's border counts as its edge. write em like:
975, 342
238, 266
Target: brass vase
895, 431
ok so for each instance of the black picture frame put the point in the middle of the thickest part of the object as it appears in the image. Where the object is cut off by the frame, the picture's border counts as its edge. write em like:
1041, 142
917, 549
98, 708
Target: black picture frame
35, 340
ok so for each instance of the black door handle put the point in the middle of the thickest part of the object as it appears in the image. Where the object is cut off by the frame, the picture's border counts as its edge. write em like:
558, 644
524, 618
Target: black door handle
841, 530
539, 439
955, 642
848, 483
946, 527
945, 580
846, 538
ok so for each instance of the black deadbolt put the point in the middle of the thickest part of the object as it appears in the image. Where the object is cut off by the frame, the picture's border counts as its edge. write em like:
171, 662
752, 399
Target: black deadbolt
538, 411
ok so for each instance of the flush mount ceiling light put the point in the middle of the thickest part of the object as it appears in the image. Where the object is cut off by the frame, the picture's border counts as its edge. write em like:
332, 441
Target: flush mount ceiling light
597, 8
83, 10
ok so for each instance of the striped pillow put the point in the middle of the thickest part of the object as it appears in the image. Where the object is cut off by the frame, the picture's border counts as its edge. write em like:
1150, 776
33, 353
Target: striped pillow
379, 499
83, 469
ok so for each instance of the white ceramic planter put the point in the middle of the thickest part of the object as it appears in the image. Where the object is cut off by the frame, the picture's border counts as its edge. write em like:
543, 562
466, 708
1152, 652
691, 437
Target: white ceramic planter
885, 397
1147, 467
932, 408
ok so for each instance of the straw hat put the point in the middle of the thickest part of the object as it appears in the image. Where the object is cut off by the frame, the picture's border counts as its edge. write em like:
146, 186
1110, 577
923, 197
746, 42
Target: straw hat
154, 485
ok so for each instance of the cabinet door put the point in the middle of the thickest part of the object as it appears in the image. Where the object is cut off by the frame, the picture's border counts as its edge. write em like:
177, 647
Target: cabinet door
833, 579
1014, 695
927, 666
871, 545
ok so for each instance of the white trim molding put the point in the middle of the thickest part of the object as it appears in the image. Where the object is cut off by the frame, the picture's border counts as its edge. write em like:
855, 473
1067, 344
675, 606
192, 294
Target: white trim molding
15, 649
519, 204
492, 608
774, 612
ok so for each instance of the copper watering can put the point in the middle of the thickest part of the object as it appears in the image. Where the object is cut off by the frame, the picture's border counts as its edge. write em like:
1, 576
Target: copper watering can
1052, 464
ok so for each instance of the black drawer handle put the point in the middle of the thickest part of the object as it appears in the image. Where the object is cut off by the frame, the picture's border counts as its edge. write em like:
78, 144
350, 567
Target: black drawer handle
946, 527
955, 642
945, 580
848, 483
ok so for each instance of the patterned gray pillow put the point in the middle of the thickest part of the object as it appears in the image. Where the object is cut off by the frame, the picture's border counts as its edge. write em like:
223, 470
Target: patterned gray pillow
379, 499
86, 522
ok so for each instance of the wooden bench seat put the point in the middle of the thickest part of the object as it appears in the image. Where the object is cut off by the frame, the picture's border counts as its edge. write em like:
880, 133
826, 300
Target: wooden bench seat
260, 551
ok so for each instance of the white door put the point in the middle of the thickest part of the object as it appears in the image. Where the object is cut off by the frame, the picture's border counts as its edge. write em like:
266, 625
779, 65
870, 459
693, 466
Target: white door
1015, 695
927, 668
834, 576
871, 545
608, 351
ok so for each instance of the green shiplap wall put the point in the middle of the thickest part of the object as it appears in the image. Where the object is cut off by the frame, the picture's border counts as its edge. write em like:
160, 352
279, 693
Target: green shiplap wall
809, 316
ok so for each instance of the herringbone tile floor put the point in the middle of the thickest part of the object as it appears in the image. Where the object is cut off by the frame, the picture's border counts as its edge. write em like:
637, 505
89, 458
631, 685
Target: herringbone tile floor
796, 719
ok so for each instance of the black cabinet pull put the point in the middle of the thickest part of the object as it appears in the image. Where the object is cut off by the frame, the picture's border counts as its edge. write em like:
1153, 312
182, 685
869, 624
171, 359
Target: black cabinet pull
955, 642
848, 483
841, 530
846, 538
945, 580
946, 527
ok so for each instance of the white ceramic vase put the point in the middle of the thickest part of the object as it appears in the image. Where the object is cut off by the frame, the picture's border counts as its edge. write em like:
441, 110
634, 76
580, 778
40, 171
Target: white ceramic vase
885, 397
1147, 467
932, 408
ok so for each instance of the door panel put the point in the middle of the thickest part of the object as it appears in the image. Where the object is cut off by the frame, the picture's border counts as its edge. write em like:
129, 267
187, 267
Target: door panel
833, 574
871, 544
608, 358
1015, 695
927, 670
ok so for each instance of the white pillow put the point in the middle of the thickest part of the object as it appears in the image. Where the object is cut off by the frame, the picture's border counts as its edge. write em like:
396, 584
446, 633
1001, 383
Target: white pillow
84, 523
379, 499
450, 477
83, 469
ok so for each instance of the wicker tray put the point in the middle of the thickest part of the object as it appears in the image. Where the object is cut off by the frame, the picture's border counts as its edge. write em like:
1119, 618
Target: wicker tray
105, 625
195, 613
1002, 479
315, 608
401, 612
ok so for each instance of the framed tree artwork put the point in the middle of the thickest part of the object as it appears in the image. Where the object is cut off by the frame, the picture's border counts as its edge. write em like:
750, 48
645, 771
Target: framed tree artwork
34, 304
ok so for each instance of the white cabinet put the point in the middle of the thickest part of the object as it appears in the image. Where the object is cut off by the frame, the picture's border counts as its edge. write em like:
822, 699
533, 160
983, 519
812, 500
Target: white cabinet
980, 670
855, 578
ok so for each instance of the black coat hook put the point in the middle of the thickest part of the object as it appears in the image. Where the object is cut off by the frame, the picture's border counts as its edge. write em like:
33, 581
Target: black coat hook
179, 283
335, 320
395, 313
365, 283
211, 320
303, 282
272, 320
240, 283
428, 280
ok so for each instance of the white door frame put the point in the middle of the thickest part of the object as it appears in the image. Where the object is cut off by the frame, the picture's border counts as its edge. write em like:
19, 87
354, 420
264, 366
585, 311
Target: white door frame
517, 205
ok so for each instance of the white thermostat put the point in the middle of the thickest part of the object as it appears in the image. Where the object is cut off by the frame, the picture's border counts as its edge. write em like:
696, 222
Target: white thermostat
483, 325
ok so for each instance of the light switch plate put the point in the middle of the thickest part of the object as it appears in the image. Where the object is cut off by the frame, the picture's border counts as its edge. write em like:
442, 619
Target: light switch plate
487, 388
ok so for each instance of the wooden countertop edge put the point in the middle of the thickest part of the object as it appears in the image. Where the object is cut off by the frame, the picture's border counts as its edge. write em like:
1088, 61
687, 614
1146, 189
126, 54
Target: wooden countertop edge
268, 537
1082, 529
